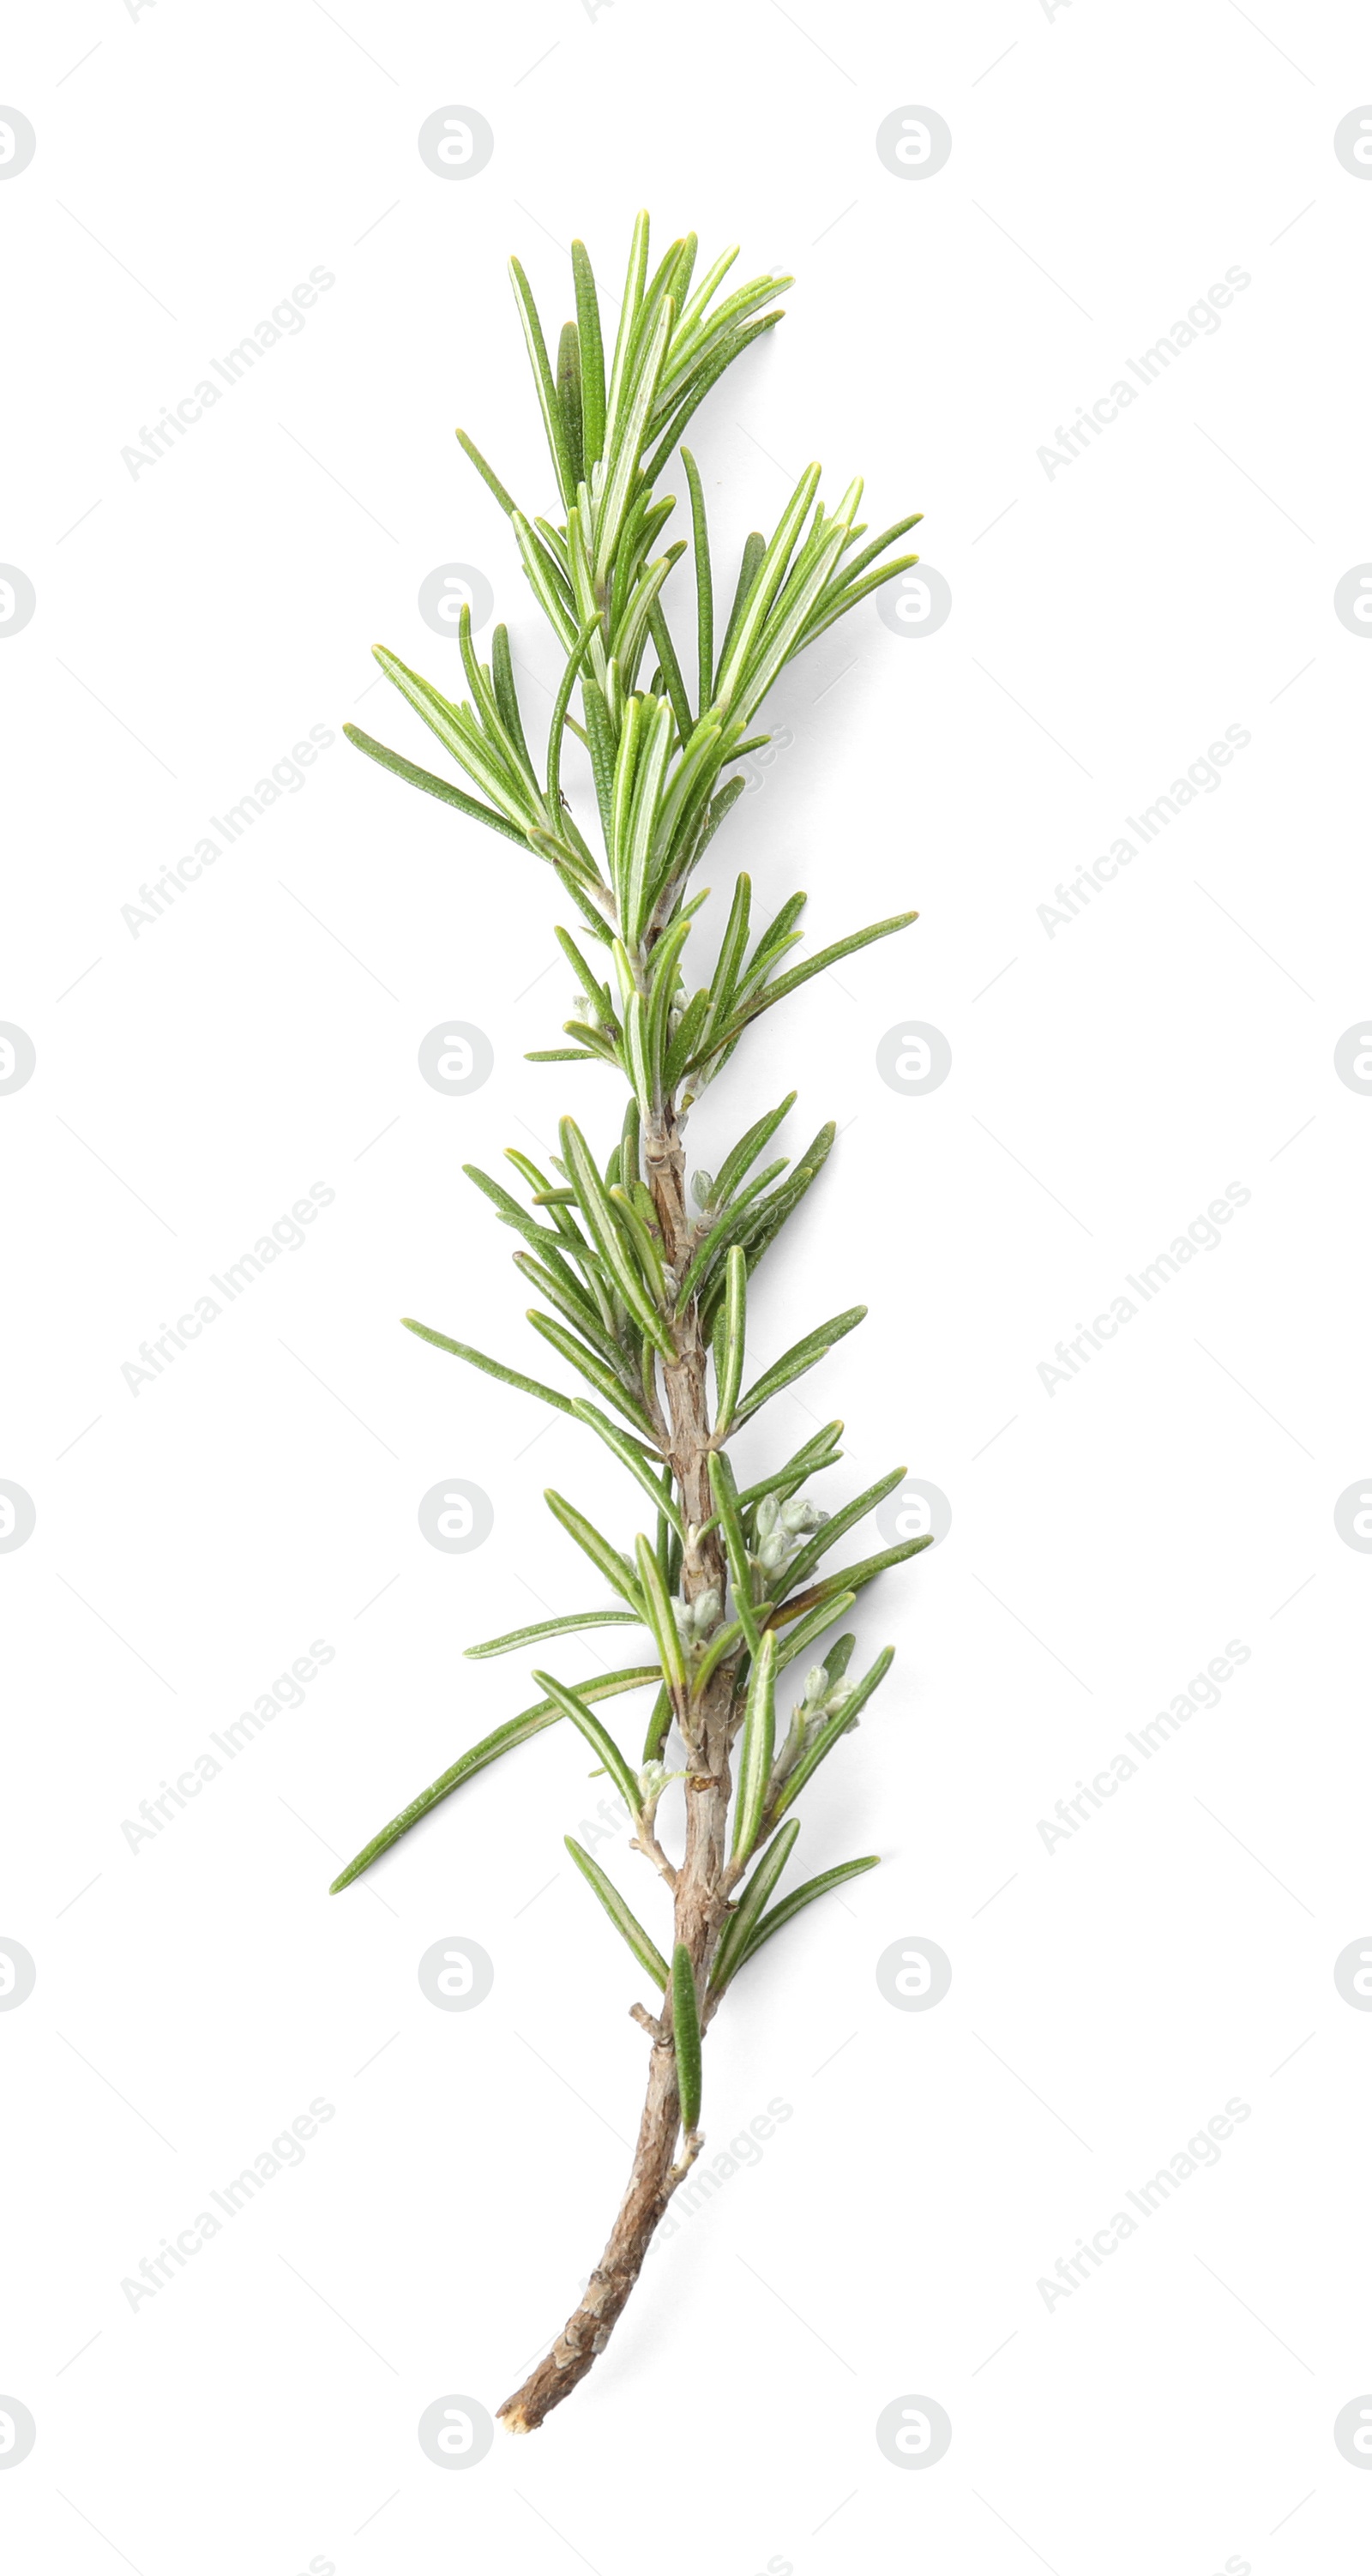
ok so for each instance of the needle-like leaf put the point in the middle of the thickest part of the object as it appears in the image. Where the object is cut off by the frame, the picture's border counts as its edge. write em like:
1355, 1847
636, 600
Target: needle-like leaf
755, 1750
575, 1705
645, 1951
686, 2038
516, 1730
740, 1925
800, 1897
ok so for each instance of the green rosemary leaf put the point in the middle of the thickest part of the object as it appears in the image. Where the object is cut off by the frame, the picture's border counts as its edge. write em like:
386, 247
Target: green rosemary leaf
659, 1725
731, 954
828, 1735
602, 1743
834, 604
661, 1618
754, 548
755, 1749
740, 1925
820, 1450
562, 1627
819, 1544
725, 1641
695, 391
625, 441
514, 1215
627, 1452
679, 1052
416, 777
763, 590
546, 581
516, 1730
729, 1341
487, 472
603, 1225
506, 694
850, 1578
560, 705
749, 1146
599, 1550
801, 1356
569, 399
814, 966
813, 1625
800, 1897
705, 609
725, 1496
593, 1369
686, 2038
723, 1232
592, 357
492, 1368
646, 1952
547, 391
671, 667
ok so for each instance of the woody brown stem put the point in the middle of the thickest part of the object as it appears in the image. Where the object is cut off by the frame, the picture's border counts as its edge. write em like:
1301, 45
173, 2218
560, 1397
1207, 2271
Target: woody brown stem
701, 1891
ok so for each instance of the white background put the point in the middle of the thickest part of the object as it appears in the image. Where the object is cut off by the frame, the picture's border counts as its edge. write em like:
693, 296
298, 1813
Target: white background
1109, 1538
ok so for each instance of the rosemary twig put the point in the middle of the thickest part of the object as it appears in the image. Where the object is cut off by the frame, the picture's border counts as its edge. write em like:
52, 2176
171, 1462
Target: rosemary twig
652, 1293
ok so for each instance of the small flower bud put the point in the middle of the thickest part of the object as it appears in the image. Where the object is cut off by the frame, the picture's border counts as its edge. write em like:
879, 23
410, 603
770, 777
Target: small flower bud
702, 1186
705, 1612
768, 1514
652, 1780
774, 1551
816, 1683
800, 1514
